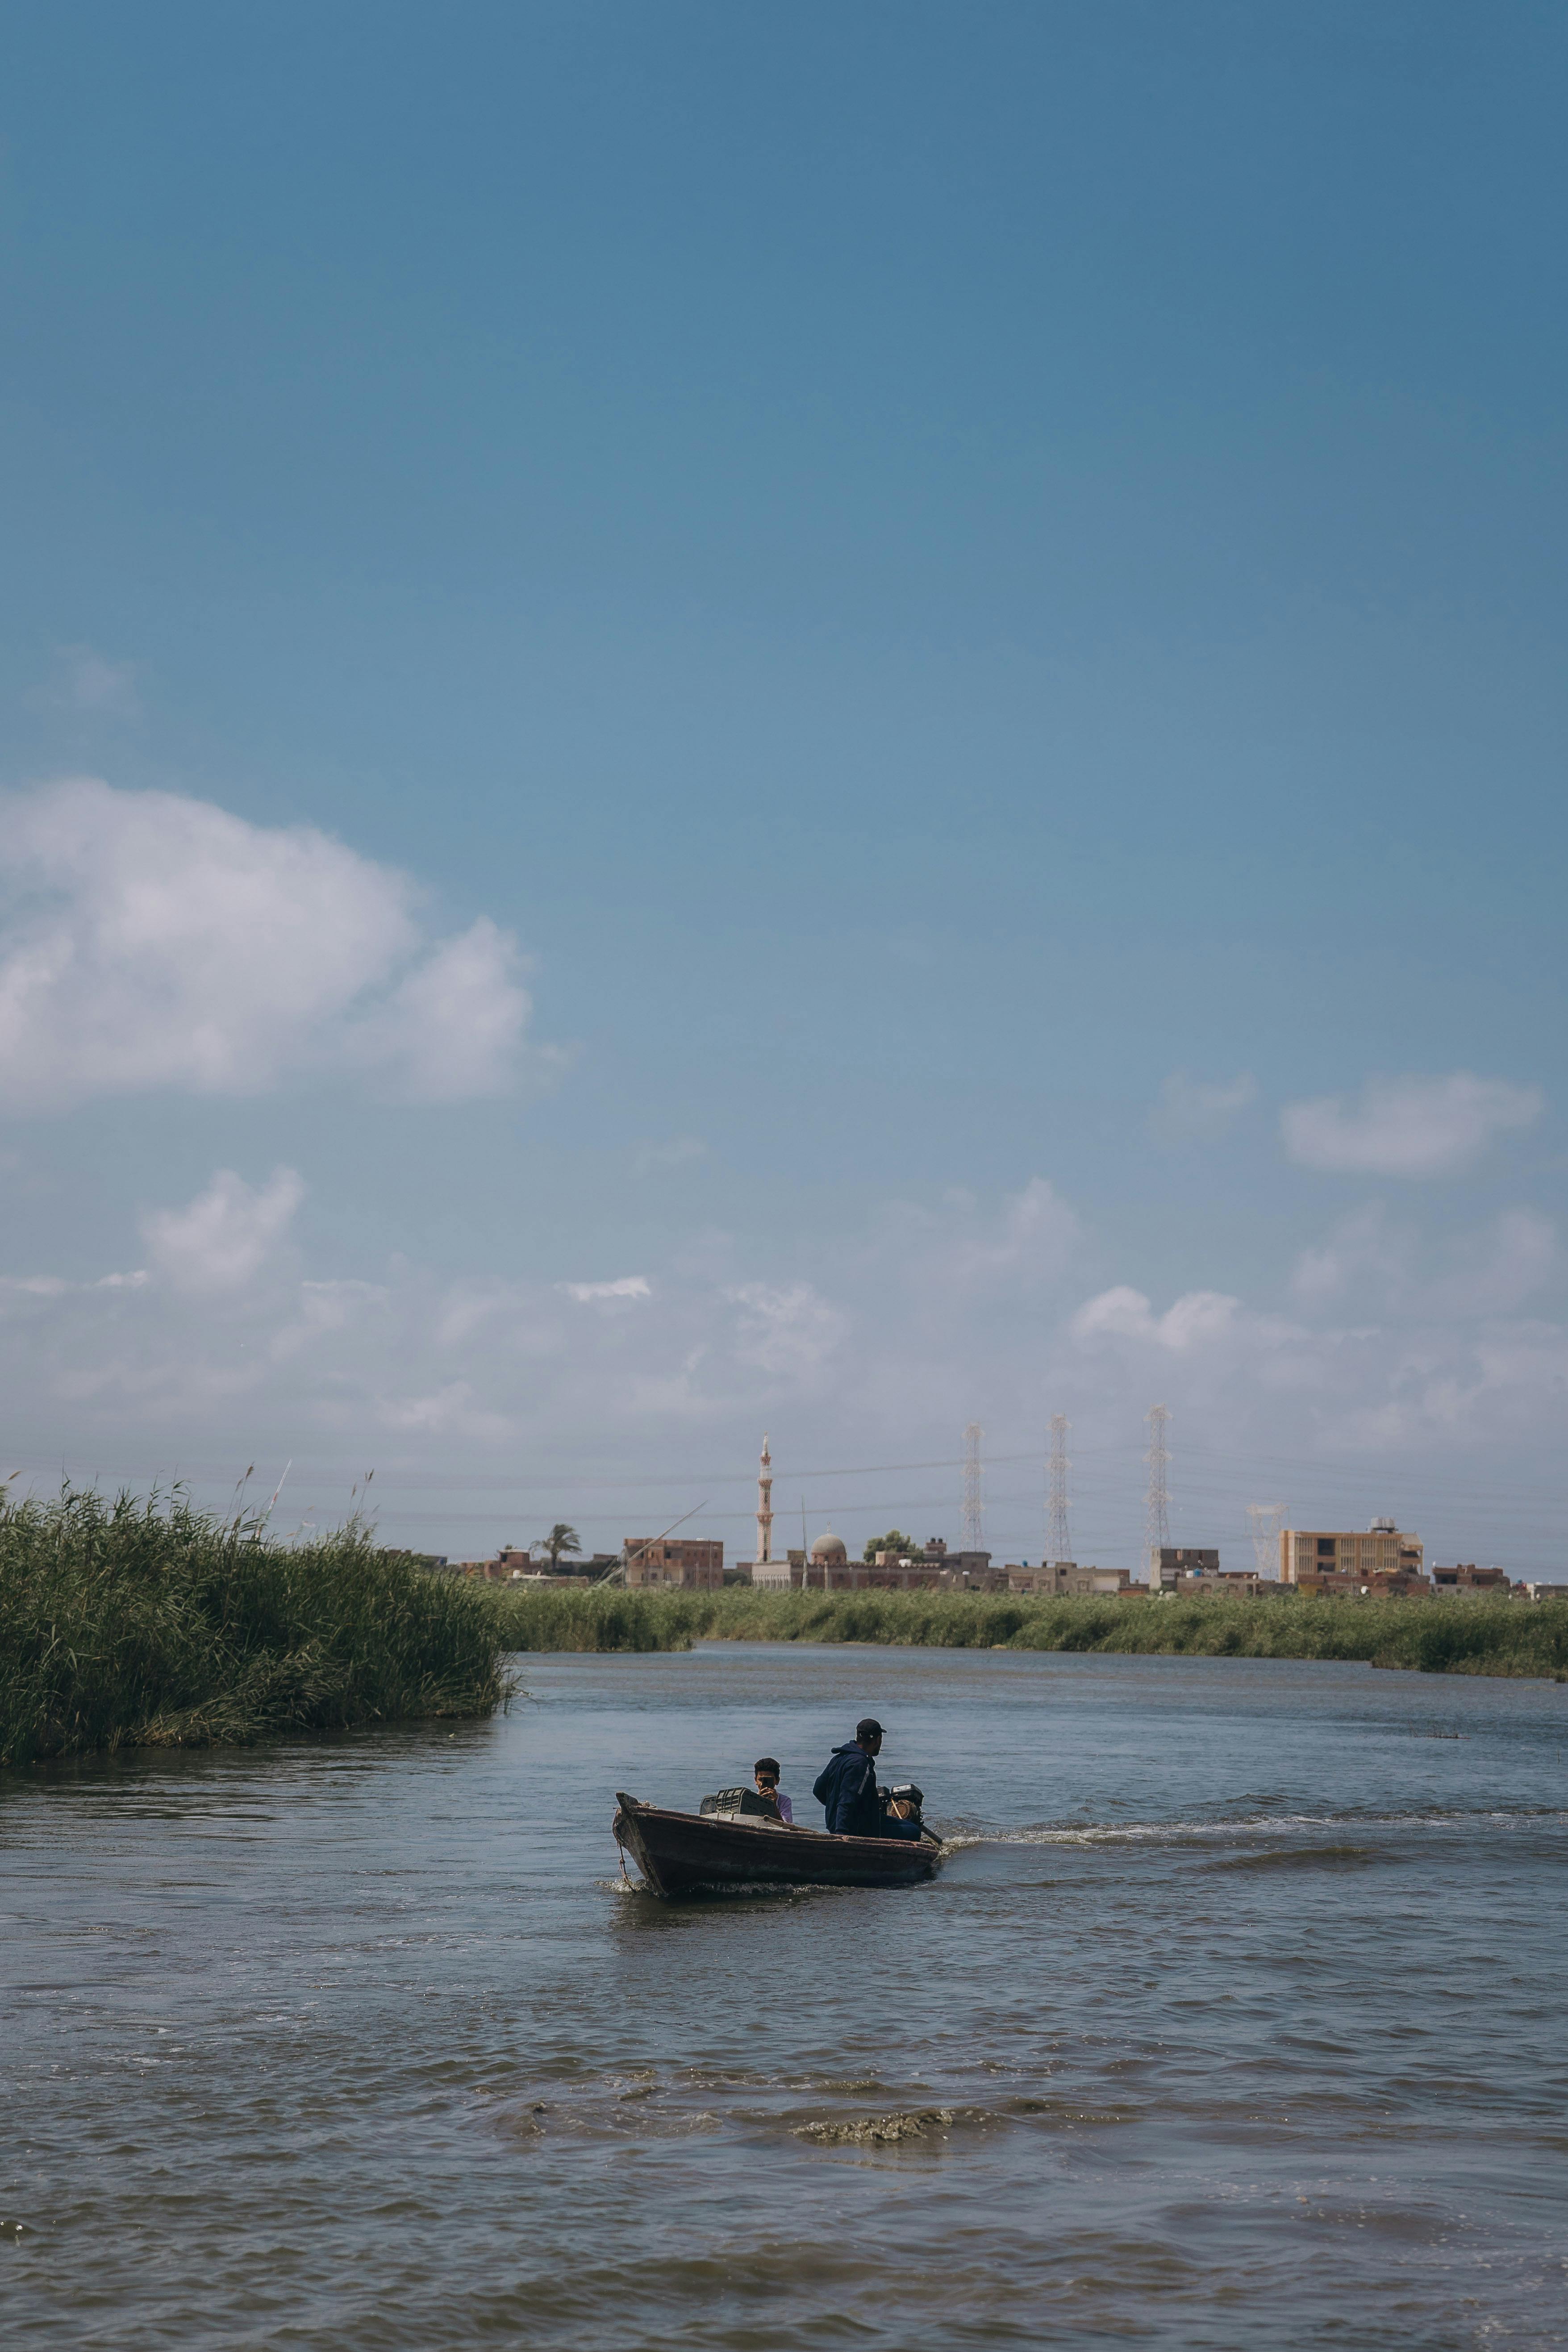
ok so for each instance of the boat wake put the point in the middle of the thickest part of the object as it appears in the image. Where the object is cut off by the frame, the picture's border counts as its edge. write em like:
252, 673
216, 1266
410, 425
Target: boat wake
1244, 1825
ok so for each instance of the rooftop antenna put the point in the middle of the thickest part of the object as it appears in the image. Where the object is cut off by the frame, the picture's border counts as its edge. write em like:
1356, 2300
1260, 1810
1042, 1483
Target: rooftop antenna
1266, 1520
1059, 1534
974, 1490
1157, 1508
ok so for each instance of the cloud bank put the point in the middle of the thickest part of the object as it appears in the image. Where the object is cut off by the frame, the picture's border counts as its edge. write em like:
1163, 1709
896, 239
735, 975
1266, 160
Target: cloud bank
152, 941
1407, 1126
221, 1239
624, 1285
1195, 1109
1408, 1351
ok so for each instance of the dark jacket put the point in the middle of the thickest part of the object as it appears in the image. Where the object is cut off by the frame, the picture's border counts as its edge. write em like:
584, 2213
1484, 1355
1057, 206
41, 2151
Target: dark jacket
848, 1791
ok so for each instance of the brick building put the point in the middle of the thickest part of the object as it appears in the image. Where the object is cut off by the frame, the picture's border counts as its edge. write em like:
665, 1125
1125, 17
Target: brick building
1471, 1580
1382, 1550
829, 1569
684, 1560
1065, 1577
1240, 1583
1170, 1563
510, 1566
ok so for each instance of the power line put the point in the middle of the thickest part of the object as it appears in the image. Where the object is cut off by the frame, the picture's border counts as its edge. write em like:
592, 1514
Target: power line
1358, 1466
479, 1482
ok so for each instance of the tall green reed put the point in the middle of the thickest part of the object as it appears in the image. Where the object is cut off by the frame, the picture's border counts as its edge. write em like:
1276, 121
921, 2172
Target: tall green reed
148, 1623
1481, 1636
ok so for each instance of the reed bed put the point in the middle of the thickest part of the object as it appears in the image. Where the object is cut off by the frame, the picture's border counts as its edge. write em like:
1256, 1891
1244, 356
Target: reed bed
148, 1624
603, 1617
1480, 1635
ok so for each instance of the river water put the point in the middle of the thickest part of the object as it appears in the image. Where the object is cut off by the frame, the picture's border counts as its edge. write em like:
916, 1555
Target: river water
1236, 2019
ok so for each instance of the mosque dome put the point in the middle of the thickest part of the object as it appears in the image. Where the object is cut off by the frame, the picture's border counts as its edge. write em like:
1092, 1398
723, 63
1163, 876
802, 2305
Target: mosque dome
830, 1548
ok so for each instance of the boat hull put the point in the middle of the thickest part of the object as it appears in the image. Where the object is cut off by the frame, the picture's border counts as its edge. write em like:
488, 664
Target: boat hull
692, 1853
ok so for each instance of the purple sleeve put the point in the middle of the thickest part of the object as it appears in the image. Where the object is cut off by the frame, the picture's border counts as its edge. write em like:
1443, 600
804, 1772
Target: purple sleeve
787, 1808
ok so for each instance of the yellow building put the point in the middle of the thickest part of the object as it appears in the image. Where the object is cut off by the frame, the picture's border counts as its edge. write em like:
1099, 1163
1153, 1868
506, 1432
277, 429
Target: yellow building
1382, 1550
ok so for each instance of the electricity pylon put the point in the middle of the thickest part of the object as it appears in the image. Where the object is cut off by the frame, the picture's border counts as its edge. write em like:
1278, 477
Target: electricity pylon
1266, 1520
1157, 1507
974, 1490
1059, 1534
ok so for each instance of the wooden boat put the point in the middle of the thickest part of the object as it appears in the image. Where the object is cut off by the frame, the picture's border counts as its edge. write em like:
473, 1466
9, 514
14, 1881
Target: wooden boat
683, 1853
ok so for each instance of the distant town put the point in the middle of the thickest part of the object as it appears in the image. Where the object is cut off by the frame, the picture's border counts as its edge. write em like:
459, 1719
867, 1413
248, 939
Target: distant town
1382, 1560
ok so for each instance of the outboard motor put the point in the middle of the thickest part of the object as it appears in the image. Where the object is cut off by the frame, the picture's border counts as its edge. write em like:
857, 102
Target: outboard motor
902, 1814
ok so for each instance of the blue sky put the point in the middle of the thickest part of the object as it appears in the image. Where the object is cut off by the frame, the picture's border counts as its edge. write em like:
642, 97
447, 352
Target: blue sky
891, 675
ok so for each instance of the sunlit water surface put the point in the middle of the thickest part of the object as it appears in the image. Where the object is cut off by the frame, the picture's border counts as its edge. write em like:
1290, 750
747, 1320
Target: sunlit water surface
1237, 2019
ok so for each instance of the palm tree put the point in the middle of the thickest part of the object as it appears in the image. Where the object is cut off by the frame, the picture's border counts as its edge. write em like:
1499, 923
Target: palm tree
560, 1538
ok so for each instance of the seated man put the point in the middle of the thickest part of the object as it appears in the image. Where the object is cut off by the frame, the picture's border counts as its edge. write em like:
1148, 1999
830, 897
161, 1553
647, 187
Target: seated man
766, 1773
847, 1786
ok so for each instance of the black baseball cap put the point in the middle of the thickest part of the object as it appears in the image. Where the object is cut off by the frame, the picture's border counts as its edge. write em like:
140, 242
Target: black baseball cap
868, 1727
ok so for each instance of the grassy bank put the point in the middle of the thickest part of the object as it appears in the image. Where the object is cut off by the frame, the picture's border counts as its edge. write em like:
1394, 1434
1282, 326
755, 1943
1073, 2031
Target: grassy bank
132, 1625
1479, 1636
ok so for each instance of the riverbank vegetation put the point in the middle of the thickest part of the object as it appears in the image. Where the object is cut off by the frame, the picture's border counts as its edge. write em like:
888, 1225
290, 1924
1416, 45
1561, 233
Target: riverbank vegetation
145, 1625
1483, 1635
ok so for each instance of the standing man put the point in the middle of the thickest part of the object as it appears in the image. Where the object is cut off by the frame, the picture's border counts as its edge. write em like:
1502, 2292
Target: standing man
847, 1787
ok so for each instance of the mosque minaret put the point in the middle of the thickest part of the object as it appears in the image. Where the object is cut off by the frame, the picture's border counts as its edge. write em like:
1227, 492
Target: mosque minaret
764, 1505
777, 1569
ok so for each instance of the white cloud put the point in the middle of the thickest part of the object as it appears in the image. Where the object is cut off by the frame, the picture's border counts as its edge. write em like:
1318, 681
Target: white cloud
626, 1286
88, 682
1037, 1234
1516, 1256
56, 1285
1368, 1257
332, 1305
152, 941
965, 1247
221, 1239
452, 1029
1527, 1360
1413, 1364
1407, 1126
327, 1310
1362, 1250
674, 1395
465, 1309
1192, 1108
678, 1152
1195, 1319
792, 1332
450, 1411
